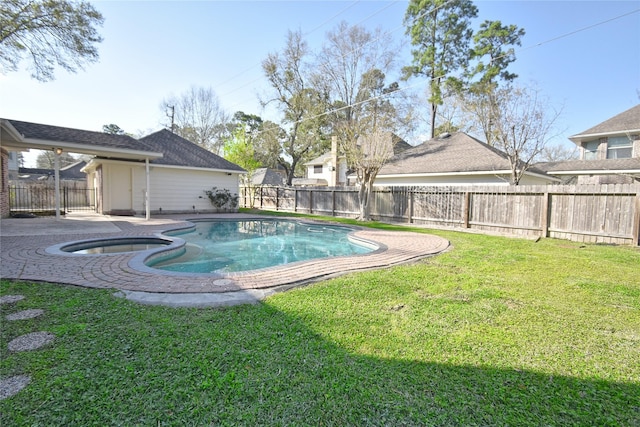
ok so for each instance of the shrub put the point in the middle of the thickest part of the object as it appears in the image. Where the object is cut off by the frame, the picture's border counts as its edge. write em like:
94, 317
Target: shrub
222, 199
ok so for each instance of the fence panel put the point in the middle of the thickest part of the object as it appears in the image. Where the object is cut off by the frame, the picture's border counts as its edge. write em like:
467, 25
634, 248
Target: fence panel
323, 202
438, 206
304, 200
347, 204
42, 199
597, 213
506, 211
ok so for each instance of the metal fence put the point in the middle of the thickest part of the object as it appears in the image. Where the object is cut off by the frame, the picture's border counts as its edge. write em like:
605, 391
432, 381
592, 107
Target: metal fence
42, 199
586, 213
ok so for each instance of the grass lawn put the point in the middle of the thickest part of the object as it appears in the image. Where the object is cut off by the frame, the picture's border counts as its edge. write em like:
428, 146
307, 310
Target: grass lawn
496, 331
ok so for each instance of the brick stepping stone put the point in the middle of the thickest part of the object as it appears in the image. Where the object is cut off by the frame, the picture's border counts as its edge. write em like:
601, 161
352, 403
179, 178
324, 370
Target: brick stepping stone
25, 314
32, 341
10, 299
12, 385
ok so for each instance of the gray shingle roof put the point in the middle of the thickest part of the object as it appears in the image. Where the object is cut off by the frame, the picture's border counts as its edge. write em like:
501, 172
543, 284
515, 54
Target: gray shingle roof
320, 160
62, 134
266, 176
456, 153
178, 151
626, 121
590, 165
71, 171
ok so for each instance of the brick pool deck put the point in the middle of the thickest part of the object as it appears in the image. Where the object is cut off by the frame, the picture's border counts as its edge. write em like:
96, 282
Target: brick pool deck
24, 243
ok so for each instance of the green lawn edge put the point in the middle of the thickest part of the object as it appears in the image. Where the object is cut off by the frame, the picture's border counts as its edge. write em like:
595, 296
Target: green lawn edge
497, 331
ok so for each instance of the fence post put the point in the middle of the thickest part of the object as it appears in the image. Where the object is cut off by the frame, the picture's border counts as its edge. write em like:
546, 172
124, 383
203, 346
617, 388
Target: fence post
636, 222
261, 197
310, 200
411, 191
466, 209
295, 199
544, 221
277, 197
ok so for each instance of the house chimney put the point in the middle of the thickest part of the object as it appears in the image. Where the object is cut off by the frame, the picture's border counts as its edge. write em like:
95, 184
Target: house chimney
334, 161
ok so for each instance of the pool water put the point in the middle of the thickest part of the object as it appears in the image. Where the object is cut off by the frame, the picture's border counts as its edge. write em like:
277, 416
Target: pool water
232, 246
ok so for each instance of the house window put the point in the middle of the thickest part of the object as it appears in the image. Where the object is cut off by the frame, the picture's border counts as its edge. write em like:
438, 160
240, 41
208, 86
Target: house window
317, 169
591, 150
619, 147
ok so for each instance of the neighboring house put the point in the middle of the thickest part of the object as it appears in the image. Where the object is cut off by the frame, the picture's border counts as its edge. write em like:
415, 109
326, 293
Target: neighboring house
330, 169
266, 176
456, 159
159, 173
609, 153
72, 172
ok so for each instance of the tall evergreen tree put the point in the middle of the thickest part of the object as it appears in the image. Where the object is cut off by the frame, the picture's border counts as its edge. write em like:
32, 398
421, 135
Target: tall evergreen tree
440, 32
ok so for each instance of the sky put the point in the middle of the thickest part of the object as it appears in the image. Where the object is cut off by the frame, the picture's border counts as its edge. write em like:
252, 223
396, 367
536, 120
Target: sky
584, 56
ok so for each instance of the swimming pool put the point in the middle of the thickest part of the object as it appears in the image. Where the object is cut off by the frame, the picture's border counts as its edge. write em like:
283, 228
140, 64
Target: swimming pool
242, 245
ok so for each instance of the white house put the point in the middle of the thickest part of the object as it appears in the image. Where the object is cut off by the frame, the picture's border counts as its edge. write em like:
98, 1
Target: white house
161, 172
609, 153
331, 168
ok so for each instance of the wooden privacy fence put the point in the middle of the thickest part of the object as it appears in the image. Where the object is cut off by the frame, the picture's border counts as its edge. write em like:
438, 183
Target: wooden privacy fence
585, 213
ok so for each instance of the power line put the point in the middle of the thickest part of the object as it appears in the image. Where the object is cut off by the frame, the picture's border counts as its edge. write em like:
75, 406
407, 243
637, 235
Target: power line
579, 30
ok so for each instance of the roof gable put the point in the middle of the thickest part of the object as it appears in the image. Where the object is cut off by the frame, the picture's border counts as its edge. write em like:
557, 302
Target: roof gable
456, 153
627, 121
266, 176
178, 151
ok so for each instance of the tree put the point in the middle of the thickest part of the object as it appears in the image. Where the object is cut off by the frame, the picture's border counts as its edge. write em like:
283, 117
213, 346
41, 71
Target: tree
493, 52
349, 53
240, 150
265, 137
374, 140
46, 159
440, 31
352, 68
522, 124
301, 133
199, 117
112, 129
49, 33
559, 153
268, 143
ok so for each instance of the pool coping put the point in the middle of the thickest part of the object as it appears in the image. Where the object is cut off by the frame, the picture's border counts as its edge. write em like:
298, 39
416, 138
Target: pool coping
25, 257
